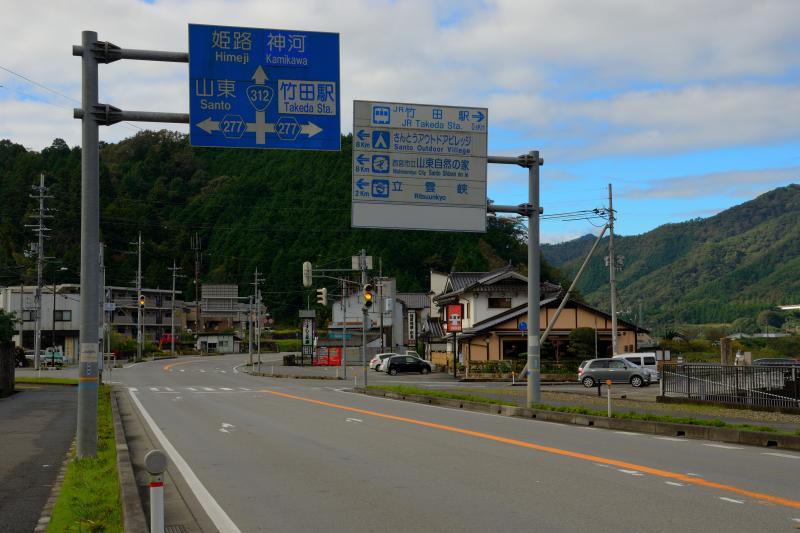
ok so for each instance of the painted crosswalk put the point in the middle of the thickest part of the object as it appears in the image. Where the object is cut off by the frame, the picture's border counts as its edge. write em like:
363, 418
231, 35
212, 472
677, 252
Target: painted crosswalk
195, 389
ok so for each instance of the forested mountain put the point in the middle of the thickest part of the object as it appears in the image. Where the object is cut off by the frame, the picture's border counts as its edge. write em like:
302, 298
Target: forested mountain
264, 209
734, 264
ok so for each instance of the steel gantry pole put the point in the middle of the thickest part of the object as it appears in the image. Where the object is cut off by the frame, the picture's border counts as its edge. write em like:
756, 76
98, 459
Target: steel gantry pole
534, 356
90, 244
532, 210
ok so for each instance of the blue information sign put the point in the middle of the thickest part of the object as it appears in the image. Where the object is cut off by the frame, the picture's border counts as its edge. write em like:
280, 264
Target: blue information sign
261, 88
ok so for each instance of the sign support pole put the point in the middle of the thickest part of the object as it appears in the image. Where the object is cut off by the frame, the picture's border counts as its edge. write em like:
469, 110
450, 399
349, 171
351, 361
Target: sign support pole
532, 210
534, 356
90, 244
365, 316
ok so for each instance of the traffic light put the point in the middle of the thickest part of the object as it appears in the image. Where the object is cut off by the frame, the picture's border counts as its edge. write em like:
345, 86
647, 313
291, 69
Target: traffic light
322, 296
141, 301
369, 295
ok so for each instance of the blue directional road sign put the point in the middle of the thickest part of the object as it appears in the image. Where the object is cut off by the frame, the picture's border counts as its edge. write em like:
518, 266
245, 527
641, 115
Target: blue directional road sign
262, 88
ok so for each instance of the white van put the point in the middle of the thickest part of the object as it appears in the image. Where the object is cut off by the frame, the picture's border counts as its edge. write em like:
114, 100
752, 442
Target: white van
643, 359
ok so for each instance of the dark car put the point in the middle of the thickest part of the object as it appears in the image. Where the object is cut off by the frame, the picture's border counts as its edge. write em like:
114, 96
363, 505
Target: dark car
406, 363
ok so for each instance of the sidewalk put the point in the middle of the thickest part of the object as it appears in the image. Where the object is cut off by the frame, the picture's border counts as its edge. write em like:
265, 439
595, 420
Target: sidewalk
37, 425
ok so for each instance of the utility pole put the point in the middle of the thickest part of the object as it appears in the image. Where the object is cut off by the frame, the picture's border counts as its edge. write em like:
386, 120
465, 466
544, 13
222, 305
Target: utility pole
40, 230
344, 328
380, 299
612, 272
174, 271
101, 303
196, 245
365, 313
139, 314
250, 332
257, 298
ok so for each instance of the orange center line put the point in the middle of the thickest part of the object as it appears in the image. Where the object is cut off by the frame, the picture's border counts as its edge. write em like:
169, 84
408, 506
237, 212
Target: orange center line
170, 365
795, 504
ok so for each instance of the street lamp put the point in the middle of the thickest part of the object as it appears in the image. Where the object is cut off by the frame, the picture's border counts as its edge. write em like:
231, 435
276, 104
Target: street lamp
53, 317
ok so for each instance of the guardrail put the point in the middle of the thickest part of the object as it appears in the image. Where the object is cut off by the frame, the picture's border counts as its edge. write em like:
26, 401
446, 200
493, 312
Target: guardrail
749, 386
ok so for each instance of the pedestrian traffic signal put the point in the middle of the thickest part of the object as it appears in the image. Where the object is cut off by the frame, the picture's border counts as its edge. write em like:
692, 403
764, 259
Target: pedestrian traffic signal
322, 296
141, 301
369, 295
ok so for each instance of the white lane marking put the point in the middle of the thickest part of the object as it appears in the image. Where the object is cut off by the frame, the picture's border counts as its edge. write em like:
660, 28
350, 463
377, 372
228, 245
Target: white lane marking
208, 388
693, 474
192, 389
731, 500
166, 392
169, 389
601, 465
244, 388
177, 399
631, 472
353, 420
626, 433
672, 439
224, 430
674, 483
786, 455
183, 370
203, 371
237, 367
212, 508
225, 388
133, 389
226, 425
796, 520
723, 446
222, 371
154, 389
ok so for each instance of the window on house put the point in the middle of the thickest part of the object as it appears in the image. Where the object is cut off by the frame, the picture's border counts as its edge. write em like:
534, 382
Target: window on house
27, 316
499, 303
466, 310
63, 316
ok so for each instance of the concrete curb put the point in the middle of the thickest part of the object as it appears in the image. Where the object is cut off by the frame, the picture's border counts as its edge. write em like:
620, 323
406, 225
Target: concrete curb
689, 431
134, 519
287, 376
47, 510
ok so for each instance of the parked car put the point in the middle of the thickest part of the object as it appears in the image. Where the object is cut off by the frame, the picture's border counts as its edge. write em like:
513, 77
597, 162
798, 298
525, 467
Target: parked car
594, 371
405, 363
646, 360
375, 362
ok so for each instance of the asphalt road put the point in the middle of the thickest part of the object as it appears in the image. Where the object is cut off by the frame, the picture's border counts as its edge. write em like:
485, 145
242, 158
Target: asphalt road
264, 454
37, 425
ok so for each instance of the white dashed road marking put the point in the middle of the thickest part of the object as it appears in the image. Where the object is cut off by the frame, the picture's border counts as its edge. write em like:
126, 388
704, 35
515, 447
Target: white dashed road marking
631, 472
672, 439
723, 446
674, 483
731, 500
786, 455
353, 420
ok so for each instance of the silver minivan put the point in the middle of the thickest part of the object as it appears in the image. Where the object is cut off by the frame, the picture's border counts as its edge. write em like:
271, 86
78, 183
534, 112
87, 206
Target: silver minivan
593, 372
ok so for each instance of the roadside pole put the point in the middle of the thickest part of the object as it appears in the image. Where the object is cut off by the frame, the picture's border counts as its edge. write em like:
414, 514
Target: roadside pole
365, 315
86, 439
532, 211
174, 270
250, 332
343, 359
612, 273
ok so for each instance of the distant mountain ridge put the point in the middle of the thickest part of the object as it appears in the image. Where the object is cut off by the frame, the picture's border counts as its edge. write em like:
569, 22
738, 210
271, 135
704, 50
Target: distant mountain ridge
733, 264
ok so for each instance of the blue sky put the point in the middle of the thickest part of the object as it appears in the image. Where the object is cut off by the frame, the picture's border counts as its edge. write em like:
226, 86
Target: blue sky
685, 107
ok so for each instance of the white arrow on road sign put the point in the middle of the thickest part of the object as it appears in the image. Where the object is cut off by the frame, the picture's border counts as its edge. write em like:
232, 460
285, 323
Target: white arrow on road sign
208, 125
259, 76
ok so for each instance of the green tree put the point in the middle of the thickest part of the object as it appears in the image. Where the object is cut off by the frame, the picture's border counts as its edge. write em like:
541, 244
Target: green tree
745, 325
581, 342
770, 319
7, 328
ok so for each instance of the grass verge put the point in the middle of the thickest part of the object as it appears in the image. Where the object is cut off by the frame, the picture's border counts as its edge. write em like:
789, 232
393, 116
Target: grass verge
714, 422
89, 498
46, 381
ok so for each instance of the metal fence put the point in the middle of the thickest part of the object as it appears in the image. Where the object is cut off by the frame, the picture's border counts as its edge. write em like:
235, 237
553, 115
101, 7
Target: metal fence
757, 386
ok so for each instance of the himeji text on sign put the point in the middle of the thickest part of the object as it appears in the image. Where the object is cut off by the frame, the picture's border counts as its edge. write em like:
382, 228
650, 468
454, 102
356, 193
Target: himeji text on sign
262, 88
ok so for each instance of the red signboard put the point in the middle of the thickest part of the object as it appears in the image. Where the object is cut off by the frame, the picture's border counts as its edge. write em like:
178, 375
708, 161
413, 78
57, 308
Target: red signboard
455, 313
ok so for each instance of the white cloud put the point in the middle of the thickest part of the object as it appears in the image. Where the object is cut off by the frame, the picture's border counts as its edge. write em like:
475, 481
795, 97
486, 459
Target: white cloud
734, 184
531, 63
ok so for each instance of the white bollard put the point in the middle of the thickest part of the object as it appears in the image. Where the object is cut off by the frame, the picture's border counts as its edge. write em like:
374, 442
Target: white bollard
156, 463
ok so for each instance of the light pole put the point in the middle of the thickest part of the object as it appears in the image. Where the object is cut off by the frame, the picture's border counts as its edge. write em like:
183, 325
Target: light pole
53, 317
